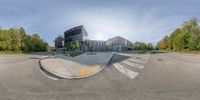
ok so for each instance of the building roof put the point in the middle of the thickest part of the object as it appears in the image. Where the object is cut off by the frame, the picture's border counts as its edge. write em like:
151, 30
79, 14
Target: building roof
74, 29
119, 37
97, 40
77, 28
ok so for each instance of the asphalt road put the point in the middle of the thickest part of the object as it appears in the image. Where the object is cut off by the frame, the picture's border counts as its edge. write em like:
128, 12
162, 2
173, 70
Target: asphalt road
166, 76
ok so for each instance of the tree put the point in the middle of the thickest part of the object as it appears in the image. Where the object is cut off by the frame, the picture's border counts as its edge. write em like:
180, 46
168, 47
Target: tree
149, 46
23, 37
16, 40
74, 45
186, 37
163, 44
77, 45
5, 40
28, 43
176, 40
142, 46
191, 28
136, 46
38, 43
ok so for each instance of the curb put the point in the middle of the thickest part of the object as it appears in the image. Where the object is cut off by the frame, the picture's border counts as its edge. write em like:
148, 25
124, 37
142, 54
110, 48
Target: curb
73, 77
44, 69
52, 72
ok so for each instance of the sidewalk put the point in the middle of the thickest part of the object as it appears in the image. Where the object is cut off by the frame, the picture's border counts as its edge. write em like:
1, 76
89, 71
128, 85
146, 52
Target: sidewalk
81, 66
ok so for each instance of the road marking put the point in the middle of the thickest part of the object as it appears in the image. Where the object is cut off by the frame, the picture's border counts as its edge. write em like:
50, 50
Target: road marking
139, 61
48, 76
124, 54
89, 70
133, 64
127, 72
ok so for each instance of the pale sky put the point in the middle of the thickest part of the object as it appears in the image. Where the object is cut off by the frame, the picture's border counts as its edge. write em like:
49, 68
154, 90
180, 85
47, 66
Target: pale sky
136, 20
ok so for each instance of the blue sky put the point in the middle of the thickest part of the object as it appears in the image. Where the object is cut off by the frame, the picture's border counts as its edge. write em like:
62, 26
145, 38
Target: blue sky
136, 20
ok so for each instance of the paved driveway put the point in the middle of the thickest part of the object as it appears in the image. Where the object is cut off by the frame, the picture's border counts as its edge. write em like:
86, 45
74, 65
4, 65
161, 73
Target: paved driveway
167, 76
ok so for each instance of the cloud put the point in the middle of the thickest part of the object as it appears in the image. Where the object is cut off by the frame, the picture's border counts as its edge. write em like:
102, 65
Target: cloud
101, 24
138, 20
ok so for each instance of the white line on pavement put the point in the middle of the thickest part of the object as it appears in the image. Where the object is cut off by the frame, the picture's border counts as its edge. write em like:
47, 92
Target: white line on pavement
133, 64
48, 76
124, 54
139, 61
127, 72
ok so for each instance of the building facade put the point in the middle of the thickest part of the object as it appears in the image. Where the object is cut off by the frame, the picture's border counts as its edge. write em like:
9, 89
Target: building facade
97, 45
76, 34
118, 43
59, 42
79, 34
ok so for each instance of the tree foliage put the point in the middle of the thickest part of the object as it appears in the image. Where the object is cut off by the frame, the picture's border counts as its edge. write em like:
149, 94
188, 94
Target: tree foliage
186, 37
142, 46
74, 45
16, 40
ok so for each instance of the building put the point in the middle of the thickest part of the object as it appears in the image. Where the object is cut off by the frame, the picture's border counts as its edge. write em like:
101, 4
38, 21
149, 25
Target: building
59, 42
97, 45
80, 34
76, 34
118, 44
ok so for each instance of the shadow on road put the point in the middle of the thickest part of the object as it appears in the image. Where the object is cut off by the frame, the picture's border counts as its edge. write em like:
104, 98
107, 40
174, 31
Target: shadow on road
117, 58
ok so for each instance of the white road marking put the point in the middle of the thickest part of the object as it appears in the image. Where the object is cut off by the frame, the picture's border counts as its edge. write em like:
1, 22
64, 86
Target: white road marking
139, 61
133, 64
124, 54
127, 72
48, 76
147, 57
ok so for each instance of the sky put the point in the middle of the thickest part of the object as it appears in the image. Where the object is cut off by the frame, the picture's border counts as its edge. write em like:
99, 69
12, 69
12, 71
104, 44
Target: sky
136, 20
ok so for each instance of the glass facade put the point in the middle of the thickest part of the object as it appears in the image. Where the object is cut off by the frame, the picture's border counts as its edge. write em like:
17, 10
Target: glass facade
118, 44
75, 34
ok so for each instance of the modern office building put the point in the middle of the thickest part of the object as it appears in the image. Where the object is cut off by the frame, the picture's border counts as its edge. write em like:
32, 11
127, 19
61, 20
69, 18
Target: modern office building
118, 44
79, 34
59, 42
97, 45
76, 34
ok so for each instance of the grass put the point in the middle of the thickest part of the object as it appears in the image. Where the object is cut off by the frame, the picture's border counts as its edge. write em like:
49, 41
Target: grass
189, 52
183, 51
10, 52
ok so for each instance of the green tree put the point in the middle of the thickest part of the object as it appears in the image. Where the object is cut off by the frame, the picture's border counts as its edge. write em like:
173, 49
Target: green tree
163, 44
28, 43
5, 40
16, 40
191, 28
149, 46
186, 37
23, 37
77, 45
142, 46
